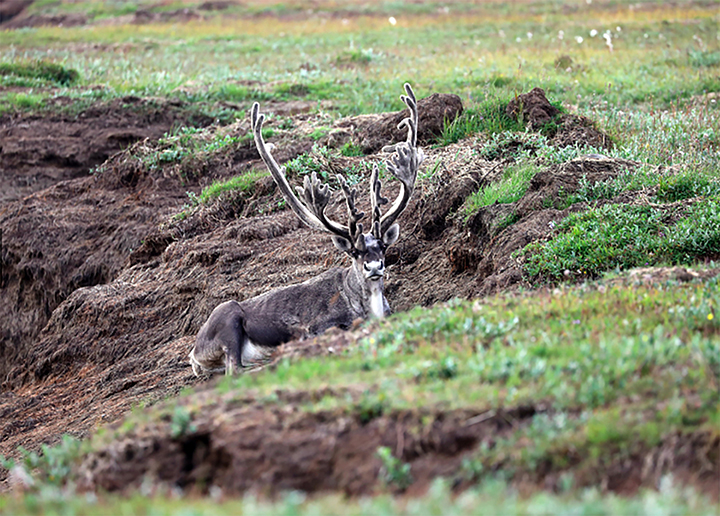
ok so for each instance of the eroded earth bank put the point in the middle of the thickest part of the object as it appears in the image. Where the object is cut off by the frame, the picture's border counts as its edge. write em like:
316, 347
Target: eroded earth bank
107, 277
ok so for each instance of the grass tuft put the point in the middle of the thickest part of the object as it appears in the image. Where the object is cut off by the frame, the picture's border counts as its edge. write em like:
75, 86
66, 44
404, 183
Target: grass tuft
242, 183
510, 188
51, 72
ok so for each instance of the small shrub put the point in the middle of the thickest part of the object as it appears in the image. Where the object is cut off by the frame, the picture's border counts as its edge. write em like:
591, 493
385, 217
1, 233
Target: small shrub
444, 369
370, 406
704, 58
181, 422
319, 133
309, 162
350, 149
53, 465
394, 472
189, 142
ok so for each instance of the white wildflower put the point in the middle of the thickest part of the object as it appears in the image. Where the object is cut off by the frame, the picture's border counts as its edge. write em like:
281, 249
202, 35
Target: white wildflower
529, 35
608, 40
579, 39
561, 34
392, 20
593, 33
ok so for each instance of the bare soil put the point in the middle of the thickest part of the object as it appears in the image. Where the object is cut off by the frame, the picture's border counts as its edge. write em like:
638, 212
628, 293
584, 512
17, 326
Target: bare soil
103, 290
40, 150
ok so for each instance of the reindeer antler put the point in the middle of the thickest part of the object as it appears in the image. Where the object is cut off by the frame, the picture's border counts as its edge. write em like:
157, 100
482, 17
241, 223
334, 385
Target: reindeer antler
404, 163
314, 196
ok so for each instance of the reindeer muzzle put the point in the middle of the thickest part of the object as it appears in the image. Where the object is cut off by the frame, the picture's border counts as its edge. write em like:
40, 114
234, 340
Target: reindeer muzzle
374, 271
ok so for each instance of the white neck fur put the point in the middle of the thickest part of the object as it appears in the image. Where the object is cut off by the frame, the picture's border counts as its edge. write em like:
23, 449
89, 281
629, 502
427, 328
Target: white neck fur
377, 306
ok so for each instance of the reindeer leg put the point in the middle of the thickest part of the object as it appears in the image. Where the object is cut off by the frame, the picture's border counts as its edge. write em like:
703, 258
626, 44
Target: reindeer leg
233, 349
219, 340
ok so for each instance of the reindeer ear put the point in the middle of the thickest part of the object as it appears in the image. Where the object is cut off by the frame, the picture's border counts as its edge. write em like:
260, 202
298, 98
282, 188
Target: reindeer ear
343, 244
391, 235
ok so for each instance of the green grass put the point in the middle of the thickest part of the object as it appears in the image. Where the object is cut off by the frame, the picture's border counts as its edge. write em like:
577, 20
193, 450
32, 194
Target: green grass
510, 188
350, 149
187, 146
487, 117
242, 183
494, 496
459, 52
318, 159
613, 370
43, 70
625, 236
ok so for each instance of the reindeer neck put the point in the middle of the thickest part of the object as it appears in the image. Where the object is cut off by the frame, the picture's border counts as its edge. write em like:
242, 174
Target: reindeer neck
365, 299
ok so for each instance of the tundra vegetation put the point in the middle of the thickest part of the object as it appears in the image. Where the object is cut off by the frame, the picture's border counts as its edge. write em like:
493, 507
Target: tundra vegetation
596, 380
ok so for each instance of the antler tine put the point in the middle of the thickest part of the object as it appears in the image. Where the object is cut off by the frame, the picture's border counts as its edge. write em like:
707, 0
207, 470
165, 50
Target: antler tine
354, 215
314, 194
377, 200
405, 162
412, 121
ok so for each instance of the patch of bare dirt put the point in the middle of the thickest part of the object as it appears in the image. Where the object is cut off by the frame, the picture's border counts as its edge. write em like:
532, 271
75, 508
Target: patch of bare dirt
38, 151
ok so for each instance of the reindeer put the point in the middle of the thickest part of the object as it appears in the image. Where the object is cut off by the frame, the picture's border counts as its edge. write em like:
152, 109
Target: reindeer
243, 333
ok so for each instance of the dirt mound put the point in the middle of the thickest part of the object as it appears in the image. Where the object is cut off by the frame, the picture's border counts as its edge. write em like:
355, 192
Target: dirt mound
9, 9
143, 16
21, 20
534, 109
375, 131
121, 341
82, 233
483, 245
37, 151
240, 443
77, 233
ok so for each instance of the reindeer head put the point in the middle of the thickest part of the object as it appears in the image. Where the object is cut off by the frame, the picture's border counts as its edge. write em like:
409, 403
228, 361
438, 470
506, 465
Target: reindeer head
366, 249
